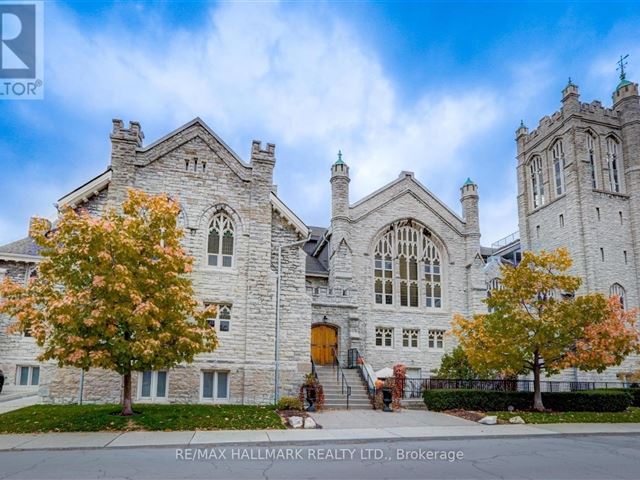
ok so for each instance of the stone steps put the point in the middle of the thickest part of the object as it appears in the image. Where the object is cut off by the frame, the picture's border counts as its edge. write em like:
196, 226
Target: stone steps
333, 396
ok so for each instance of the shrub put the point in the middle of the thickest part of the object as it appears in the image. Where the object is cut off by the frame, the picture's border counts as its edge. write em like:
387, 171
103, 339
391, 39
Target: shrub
485, 400
289, 403
634, 392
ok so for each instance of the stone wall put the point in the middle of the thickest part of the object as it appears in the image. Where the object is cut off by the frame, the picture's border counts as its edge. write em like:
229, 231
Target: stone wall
598, 225
357, 315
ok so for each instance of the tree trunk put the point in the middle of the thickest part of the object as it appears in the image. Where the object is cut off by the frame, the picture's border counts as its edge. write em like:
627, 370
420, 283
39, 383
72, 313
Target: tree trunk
537, 394
126, 395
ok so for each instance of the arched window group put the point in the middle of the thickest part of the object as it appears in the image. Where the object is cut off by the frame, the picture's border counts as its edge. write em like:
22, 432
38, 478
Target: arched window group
220, 242
407, 262
618, 290
605, 164
611, 164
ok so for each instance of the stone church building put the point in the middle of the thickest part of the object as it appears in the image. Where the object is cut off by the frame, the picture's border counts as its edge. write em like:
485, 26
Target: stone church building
384, 278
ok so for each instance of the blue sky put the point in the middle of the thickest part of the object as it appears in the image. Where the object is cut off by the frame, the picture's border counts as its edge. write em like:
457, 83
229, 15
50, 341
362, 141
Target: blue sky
436, 88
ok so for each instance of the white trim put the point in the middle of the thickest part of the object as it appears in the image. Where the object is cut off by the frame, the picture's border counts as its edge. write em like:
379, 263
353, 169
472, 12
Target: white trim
20, 257
88, 190
288, 215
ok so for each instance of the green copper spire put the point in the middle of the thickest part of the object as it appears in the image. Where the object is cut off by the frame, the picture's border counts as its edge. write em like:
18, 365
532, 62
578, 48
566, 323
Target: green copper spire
469, 182
339, 161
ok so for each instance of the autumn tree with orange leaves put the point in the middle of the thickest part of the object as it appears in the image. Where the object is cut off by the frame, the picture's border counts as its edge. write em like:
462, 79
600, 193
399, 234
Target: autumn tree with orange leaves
537, 323
113, 292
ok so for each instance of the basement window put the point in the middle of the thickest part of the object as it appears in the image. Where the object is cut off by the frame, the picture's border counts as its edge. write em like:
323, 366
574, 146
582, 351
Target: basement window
27, 376
152, 385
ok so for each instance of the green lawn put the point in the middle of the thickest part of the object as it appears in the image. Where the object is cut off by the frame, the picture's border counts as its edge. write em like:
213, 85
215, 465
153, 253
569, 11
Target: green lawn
94, 418
630, 416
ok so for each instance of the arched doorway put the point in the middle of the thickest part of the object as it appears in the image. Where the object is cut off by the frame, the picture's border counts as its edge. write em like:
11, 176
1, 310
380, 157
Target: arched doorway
324, 338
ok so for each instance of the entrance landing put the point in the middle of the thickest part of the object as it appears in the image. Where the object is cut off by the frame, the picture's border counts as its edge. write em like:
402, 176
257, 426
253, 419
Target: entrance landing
341, 419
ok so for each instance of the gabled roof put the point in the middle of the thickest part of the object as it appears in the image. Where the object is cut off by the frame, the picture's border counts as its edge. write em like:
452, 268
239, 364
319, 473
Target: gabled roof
288, 215
407, 177
317, 261
89, 189
150, 153
24, 250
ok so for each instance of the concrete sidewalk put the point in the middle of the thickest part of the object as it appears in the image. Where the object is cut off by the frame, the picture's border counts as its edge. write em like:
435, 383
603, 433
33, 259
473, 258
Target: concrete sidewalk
204, 439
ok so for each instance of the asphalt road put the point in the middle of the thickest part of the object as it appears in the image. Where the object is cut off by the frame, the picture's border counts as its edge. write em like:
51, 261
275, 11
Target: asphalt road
559, 457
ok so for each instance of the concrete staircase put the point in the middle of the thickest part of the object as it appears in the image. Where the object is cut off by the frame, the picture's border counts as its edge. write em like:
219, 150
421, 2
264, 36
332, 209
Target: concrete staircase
333, 396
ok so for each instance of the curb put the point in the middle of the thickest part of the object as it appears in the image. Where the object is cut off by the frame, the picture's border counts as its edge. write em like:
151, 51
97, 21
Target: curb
337, 441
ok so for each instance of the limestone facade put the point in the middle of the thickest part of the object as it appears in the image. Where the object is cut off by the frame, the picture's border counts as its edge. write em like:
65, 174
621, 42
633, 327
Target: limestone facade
583, 163
386, 275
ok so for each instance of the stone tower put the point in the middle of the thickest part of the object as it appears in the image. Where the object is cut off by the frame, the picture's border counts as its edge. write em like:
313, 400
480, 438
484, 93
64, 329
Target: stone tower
579, 187
340, 253
469, 199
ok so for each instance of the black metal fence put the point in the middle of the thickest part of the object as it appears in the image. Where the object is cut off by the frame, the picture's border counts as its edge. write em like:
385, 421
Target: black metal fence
413, 387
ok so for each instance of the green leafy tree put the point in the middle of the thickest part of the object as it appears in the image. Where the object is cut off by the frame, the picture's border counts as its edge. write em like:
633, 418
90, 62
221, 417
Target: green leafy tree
537, 323
113, 292
456, 365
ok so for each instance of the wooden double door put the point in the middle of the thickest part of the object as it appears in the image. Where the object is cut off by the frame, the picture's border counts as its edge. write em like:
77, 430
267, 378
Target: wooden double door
324, 338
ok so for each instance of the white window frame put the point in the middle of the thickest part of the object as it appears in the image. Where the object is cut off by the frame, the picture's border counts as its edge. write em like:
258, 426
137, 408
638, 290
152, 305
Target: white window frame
557, 153
217, 319
29, 377
385, 333
411, 334
215, 398
153, 389
435, 335
223, 221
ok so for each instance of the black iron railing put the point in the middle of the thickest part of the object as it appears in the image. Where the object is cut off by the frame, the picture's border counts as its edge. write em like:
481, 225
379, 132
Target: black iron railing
413, 387
354, 360
340, 377
314, 372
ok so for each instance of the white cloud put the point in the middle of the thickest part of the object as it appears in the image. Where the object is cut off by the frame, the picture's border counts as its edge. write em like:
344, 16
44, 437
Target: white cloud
302, 79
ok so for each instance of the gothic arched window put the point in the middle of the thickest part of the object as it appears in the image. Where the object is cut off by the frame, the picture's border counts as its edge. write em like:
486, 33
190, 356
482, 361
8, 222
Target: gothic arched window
613, 162
537, 187
400, 255
432, 273
383, 269
558, 166
220, 243
618, 290
591, 155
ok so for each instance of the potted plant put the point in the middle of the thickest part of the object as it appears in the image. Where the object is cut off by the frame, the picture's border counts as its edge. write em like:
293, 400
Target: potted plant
387, 396
312, 393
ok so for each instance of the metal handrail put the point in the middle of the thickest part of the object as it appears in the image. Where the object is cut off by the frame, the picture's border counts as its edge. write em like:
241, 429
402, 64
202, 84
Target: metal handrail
313, 369
364, 374
340, 377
